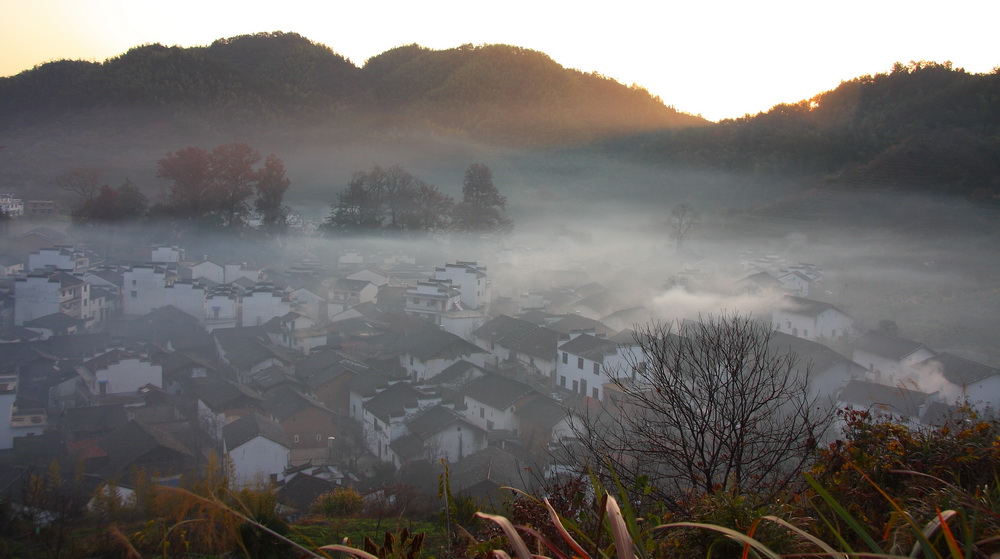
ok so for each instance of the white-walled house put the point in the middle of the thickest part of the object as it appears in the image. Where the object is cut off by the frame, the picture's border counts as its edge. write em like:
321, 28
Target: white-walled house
958, 379
258, 449
499, 335
262, 304
64, 259
209, 269
426, 352
491, 402
38, 295
222, 306
15, 423
123, 372
796, 283
811, 319
439, 433
166, 254
586, 362
385, 415
430, 299
889, 359
829, 372
373, 274
471, 280
346, 293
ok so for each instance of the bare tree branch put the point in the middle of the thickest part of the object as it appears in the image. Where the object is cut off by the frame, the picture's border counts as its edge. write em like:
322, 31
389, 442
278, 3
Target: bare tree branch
706, 406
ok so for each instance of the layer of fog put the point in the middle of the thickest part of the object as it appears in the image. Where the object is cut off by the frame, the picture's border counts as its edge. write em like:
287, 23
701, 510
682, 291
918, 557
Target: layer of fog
927, 263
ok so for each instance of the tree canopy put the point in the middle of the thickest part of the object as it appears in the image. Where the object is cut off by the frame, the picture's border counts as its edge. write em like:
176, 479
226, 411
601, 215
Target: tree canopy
482, 207
217, 187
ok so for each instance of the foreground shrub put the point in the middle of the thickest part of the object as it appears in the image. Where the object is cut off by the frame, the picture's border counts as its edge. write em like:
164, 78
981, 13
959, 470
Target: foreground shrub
342, 501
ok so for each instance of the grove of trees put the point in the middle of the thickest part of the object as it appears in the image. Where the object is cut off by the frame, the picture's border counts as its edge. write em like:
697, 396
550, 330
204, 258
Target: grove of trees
385, 201
222, 187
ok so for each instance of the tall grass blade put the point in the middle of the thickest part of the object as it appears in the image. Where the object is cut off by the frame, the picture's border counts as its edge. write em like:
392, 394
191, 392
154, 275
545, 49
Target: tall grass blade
928, 548
728, 532
349, 550
516, 542
557, 522
623, 540
843, 514
827, 550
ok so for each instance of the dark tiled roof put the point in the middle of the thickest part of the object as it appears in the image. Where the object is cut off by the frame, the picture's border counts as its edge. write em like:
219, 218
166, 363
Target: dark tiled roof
408, 447
431, 342
885, 345
393, 401
569, 323
250, 426
492, 465
93, 418
504, 330
590, 347
459, 372
220, 394
497, 391
55, 321
805, 307
540, 342
958, 370
432, 421
809, 353
300, 491
133, 439
542, 410
889, 399
284, 401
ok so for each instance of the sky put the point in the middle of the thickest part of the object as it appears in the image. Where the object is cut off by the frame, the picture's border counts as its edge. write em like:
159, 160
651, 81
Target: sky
716, 58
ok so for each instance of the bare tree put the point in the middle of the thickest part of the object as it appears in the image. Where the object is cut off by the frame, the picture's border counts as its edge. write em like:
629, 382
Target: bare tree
704, 407
85, 182
683, 218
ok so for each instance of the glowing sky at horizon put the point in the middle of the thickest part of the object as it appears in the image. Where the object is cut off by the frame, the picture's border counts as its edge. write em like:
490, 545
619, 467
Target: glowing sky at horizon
718, 58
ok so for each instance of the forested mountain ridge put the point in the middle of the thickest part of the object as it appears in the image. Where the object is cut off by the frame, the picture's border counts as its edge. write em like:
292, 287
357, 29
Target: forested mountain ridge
496, 93
920, 126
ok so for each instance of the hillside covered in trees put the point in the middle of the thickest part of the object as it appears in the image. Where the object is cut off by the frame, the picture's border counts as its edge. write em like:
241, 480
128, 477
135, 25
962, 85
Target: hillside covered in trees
496, 93
921, 126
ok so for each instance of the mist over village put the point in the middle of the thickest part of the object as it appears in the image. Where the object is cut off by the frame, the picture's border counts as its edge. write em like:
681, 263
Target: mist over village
342, 300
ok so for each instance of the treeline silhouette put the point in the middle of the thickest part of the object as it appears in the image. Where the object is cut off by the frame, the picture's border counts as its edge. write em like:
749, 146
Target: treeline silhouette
495, 92
921, 125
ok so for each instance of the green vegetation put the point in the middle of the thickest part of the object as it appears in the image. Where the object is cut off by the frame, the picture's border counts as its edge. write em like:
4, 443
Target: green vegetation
496, 92
922, 126
884, 490
392, 201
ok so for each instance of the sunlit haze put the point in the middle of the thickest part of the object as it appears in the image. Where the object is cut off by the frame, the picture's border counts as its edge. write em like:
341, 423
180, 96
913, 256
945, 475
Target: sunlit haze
718, 59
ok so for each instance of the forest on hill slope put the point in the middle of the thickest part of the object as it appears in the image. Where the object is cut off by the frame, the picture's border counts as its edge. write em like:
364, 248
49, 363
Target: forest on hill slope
496, 93
922, 126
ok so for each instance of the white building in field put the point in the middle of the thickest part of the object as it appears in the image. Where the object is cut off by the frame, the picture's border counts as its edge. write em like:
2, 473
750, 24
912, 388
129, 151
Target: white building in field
430, 299
258, 449
123, 372
167, 255
222, 307
38, 295
13, 422
587, 362
471, 280
61, 258
262, 304
811, 319
145, 288
12, 207
889, 359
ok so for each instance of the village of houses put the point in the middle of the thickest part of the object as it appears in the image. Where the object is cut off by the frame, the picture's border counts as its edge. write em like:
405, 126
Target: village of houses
324, 373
